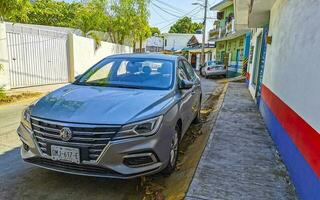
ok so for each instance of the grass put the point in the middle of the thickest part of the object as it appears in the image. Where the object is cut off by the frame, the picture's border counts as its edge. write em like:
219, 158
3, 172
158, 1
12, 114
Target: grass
4, 99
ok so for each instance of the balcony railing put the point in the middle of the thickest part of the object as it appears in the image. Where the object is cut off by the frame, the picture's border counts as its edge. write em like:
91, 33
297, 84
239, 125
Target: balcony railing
230, 27
221, 32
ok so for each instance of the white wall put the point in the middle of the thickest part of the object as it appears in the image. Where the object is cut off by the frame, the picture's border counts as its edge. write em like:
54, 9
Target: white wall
292, 69
4, 59
85, 55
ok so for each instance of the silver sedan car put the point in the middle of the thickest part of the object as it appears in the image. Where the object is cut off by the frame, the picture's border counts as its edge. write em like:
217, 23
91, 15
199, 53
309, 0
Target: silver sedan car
213, 68
122, 118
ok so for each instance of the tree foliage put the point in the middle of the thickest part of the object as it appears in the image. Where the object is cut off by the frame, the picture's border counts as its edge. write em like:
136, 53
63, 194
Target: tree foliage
185, 25
155, 30
123, 20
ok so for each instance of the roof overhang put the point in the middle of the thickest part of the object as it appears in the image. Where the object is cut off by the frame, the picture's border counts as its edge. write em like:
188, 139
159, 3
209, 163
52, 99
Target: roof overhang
221, 5
252, 13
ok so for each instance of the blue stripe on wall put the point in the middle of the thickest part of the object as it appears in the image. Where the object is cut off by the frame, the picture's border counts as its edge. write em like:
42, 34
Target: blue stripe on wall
304, 179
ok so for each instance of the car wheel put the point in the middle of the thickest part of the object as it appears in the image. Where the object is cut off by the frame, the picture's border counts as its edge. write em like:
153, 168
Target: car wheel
198, 116
174, 150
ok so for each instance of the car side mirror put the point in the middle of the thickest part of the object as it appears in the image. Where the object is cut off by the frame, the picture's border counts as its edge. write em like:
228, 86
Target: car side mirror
185, 84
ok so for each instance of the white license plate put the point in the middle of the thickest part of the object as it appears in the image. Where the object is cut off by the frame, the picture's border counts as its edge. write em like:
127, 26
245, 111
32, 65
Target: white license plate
65, 154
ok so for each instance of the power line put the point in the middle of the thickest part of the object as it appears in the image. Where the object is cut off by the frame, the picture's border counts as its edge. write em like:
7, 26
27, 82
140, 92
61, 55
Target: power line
155, 10
197, 8
171, 7
165, 10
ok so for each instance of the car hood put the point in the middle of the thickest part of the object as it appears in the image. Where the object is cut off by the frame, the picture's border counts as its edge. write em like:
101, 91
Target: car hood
100, 105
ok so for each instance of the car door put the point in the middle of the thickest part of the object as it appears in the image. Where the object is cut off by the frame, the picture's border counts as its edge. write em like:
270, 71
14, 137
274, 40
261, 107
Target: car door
185, 98
196, 89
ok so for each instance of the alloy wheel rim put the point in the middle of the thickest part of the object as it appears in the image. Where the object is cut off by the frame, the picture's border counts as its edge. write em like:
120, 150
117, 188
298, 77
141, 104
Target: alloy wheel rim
174, 149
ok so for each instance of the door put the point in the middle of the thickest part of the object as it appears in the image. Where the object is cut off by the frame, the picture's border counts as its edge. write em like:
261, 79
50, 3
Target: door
186, 98
237, 60
196, 90
256, 61
262, 59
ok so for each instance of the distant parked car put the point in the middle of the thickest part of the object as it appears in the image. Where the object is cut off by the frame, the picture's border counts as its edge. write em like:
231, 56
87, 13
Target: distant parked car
213, 68
123, 118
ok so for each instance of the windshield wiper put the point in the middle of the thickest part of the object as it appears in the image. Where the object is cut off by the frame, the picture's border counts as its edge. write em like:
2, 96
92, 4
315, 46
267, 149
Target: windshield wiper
126, 86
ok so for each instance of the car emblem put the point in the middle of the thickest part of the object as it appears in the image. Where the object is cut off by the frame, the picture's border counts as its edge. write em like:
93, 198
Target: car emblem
65, 134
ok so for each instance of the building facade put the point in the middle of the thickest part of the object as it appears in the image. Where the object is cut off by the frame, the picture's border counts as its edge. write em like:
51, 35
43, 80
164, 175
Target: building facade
175, 41
231, 44
283, 77
152, 44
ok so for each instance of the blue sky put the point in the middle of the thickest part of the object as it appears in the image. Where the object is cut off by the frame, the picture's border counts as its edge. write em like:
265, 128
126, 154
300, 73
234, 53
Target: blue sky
160, 18
163, 20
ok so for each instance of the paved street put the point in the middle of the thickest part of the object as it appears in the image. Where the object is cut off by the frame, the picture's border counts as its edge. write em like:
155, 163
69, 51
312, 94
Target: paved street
240, 160
19, 180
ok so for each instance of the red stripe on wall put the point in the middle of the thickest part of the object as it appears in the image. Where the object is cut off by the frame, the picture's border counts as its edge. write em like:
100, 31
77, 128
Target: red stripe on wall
306, 139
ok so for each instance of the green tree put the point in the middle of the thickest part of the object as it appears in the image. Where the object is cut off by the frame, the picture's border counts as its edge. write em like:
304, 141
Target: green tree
53, 13
92, 17
155, 30
185, 25
129, 20
14, 10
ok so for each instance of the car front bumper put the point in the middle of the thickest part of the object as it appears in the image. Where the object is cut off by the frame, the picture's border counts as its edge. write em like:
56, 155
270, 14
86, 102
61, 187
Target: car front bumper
111, 160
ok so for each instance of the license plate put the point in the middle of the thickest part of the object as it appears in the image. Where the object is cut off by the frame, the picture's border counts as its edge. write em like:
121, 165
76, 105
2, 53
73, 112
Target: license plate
65, 154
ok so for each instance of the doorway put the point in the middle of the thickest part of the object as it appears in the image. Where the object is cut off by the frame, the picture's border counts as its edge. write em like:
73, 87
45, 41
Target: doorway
256, 61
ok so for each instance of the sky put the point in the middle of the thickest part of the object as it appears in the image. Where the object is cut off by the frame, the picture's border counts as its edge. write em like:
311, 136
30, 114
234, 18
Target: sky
161, 18
164, 13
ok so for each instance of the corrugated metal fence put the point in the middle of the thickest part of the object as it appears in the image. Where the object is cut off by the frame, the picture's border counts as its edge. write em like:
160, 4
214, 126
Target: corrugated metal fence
36, 56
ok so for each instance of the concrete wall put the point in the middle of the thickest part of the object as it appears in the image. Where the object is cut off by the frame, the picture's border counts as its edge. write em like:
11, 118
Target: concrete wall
290, 100
4, 59
84, 52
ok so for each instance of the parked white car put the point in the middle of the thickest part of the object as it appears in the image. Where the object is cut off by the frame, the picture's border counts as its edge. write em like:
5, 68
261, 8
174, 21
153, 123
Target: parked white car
213, 68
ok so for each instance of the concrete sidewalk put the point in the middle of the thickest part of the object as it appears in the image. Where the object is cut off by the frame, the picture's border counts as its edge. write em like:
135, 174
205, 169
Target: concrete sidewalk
240, 160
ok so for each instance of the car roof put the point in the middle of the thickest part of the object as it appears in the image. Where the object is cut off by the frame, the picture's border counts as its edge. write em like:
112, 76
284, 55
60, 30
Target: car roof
146, 55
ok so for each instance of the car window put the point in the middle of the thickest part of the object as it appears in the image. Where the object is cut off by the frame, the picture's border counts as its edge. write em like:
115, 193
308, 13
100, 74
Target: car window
189, 70
181, 72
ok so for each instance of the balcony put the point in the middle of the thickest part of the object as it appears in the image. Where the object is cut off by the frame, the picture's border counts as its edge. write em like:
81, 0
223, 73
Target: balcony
214, 34
230, 27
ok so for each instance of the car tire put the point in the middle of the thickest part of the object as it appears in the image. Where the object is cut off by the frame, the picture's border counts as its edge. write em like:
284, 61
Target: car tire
174, 152
197, 119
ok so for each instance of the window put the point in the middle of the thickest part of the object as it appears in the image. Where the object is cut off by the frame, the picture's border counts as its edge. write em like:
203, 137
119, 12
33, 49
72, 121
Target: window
189, 70
165, 42
181, 72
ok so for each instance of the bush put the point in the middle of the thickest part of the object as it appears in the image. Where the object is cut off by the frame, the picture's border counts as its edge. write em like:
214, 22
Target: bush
2, 93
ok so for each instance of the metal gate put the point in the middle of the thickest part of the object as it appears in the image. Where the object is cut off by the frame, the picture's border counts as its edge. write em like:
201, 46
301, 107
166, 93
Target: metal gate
36, 56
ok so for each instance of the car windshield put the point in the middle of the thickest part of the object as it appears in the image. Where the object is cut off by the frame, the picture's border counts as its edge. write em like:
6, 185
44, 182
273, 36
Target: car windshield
130, 73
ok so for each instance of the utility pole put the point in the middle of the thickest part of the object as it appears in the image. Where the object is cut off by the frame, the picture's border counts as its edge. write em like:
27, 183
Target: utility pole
204, 32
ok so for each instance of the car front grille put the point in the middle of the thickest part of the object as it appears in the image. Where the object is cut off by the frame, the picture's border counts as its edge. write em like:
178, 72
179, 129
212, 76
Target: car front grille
90, 139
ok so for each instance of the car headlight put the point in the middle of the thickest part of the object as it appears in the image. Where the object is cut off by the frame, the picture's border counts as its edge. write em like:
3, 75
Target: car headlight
143, 128
26, 118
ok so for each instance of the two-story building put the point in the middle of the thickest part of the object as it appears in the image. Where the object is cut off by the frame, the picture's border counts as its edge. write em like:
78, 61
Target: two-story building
283, 78
232, 45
